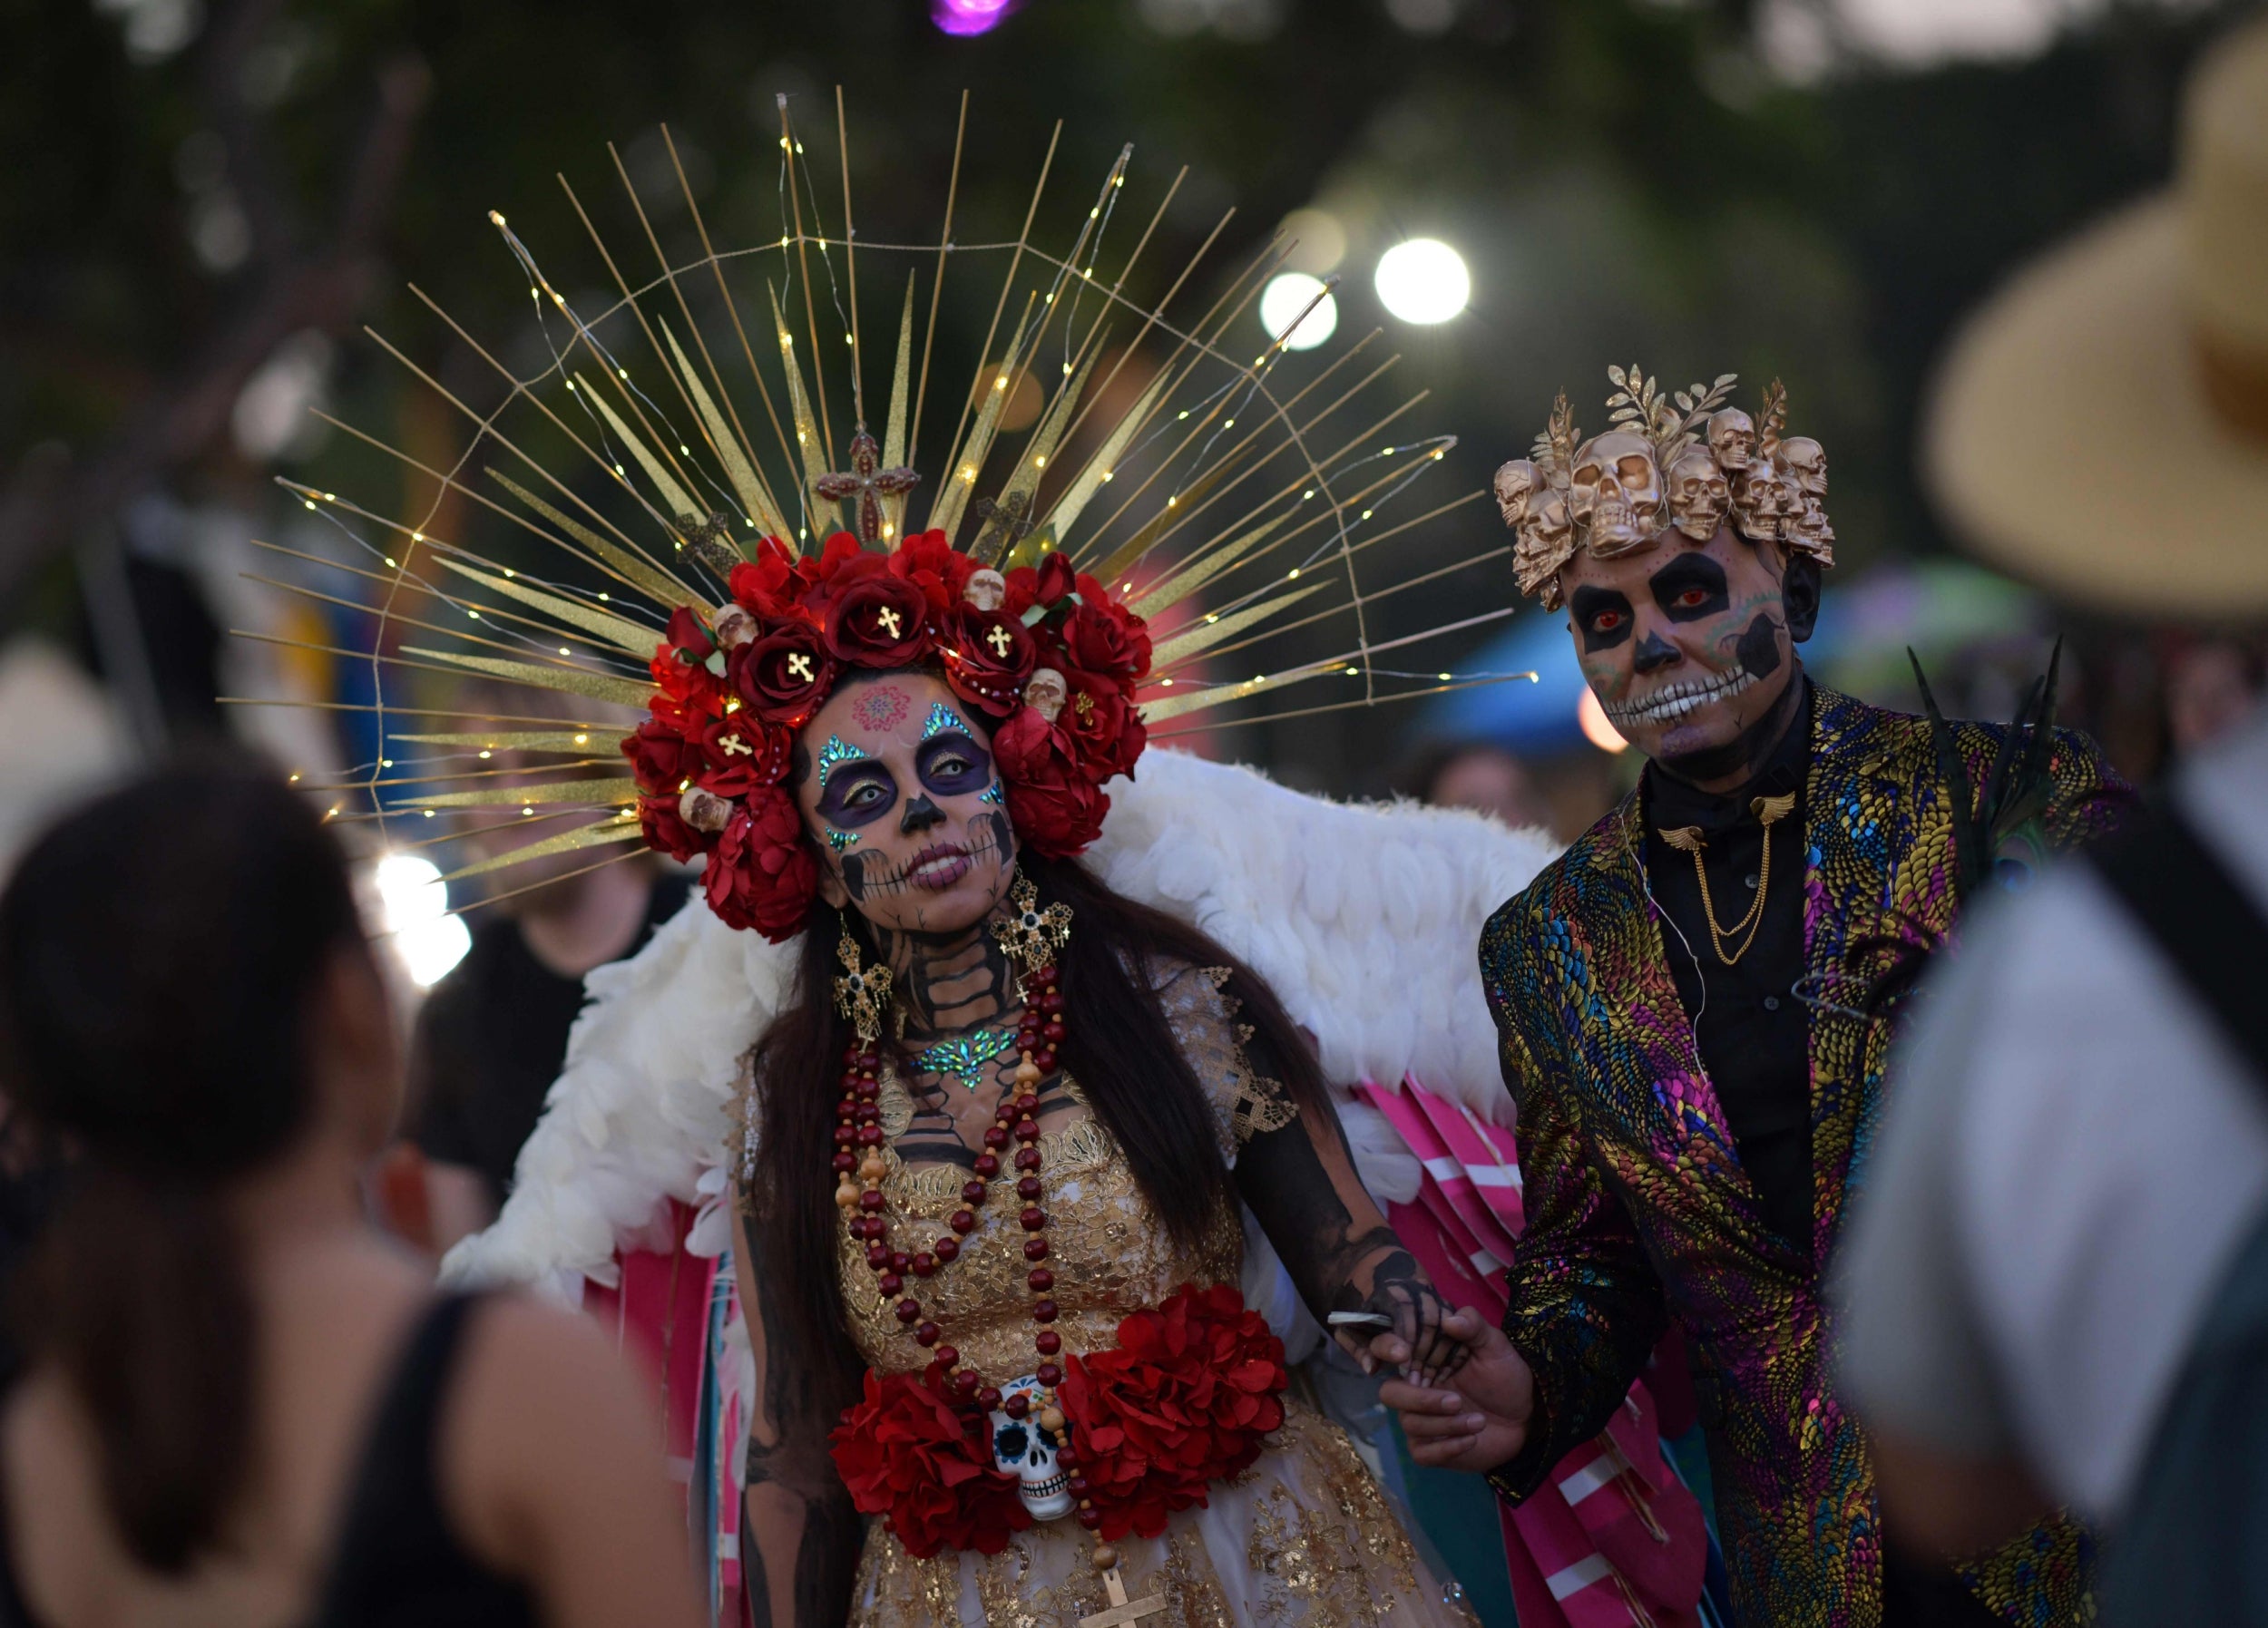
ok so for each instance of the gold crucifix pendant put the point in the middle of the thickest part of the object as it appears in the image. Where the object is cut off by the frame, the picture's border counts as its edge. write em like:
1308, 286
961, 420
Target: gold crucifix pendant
1121, 1610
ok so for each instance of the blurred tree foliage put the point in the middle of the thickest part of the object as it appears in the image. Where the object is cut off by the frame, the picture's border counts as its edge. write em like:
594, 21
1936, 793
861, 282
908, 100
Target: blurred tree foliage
191, 186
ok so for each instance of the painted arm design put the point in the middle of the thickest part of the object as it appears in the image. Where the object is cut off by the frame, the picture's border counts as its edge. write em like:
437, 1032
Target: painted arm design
1298, 1177
806, 1536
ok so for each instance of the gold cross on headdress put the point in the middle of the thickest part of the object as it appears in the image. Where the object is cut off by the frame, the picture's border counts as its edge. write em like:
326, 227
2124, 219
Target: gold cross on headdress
890, 621
800, 664
998, 638
868, 482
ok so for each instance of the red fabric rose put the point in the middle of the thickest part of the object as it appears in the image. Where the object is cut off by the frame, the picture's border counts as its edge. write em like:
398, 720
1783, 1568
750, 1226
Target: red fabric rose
660, 757
1105, 638
841, 563
784, 675
908, 1455
762, 874
987, 656
741, 752
878, 620
1184, 1402
1046, 585
772, 585
1105, 733
928, 562
1057, 810
688, 633
667, 831
687, 694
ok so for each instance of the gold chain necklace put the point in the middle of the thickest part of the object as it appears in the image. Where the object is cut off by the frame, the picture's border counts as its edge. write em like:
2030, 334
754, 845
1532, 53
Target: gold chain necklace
1687, 839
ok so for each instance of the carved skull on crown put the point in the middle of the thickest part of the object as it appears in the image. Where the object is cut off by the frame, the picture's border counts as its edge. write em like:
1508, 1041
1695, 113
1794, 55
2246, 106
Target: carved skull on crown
1615, 492
1699, 496
1732, 439
1542, 543
1766, 500
1022, 1449
1515, 485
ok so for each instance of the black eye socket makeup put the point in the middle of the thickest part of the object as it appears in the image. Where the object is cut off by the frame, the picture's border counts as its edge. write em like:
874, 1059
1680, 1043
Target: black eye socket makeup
857, 793
1691, 587
953, 765
1601, 616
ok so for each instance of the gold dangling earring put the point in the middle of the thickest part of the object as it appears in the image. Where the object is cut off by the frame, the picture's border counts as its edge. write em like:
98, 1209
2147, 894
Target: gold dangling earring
1030, 936
863, 993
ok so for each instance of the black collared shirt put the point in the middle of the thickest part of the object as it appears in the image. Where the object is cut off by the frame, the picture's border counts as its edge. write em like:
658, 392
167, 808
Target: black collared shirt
1753, 1033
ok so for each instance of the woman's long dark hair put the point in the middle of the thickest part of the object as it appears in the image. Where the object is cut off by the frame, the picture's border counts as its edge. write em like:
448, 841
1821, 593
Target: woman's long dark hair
158, 949
1120, 1049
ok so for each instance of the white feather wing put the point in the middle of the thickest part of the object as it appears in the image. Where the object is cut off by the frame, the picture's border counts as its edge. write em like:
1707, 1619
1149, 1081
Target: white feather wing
1364, 918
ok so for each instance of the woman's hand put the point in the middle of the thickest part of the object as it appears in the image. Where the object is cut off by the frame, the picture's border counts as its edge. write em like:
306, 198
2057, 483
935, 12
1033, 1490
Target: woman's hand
1479, 1425
1417, 1323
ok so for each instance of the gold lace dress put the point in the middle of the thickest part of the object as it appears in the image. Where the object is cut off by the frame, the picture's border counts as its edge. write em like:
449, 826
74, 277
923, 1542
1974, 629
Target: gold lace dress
1302, 1537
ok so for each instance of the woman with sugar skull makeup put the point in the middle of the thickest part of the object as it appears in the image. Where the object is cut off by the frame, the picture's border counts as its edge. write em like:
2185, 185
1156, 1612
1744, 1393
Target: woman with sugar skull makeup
890, 759
1693, 1018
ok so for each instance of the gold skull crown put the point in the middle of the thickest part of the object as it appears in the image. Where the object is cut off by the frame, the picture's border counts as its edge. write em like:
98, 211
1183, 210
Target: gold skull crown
1687, 459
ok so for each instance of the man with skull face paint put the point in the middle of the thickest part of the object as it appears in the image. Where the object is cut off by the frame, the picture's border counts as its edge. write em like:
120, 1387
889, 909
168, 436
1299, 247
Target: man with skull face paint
1689, 1011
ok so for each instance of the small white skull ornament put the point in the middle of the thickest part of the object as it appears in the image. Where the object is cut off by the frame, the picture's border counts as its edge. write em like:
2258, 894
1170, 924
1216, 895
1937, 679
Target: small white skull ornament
985, 589
1699, 497
1022, 1449
704, 810
1045, 692
735, 627
1615, 492
1733, 438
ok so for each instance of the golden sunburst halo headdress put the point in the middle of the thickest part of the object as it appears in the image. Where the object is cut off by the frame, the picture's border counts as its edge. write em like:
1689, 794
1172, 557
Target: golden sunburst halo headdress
1686, 460
715, 536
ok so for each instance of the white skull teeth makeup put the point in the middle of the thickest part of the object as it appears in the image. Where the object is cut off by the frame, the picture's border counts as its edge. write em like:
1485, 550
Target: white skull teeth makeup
1669, 704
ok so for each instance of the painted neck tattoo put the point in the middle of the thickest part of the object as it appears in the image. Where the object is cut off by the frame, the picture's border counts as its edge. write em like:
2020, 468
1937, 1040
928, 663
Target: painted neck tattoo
948, 984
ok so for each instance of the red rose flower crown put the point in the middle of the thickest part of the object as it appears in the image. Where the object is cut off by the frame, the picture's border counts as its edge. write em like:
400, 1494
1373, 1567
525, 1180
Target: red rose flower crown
1044, 651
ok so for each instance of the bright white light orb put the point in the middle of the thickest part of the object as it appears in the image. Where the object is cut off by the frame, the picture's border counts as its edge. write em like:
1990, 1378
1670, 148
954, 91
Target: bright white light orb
1423, 280
1286, 301
415, 902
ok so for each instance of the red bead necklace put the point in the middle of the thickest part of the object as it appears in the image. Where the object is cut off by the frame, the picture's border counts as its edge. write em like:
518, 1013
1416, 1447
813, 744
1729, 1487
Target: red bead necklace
858, 1138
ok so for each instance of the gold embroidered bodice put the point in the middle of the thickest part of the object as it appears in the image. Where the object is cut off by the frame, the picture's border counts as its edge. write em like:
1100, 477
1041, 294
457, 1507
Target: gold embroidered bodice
1110, 1255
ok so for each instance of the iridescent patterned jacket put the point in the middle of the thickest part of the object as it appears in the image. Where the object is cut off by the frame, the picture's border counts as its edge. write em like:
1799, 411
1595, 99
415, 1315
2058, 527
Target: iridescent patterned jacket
1637, 1209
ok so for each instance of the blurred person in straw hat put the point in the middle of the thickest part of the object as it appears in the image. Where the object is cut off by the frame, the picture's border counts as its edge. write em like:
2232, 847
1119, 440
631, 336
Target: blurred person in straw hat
2055, 1291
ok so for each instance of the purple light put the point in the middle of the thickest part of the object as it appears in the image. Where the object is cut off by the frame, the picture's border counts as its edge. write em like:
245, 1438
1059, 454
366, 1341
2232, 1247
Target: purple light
967, 17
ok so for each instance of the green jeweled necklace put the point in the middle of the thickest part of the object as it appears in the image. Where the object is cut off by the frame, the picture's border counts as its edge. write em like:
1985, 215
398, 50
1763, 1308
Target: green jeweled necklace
963, 1058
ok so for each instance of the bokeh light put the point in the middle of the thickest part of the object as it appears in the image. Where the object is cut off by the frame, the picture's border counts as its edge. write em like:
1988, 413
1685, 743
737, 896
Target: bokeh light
967, 17
1596, 730
1291, 298
413, 901
1314, 242
1423, 280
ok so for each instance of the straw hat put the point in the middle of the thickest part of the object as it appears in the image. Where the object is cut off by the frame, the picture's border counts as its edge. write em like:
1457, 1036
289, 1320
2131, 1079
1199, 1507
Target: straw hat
2101, 426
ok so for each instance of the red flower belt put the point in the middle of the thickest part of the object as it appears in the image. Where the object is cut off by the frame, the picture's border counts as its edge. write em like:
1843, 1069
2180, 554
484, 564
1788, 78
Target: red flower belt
1182, 1401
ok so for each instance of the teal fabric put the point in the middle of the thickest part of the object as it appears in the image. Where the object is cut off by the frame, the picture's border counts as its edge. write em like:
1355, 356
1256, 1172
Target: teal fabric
1458, 1513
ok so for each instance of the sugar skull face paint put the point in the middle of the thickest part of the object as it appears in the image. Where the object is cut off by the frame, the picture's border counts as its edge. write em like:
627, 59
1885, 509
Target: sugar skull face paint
1690, 647
903, 795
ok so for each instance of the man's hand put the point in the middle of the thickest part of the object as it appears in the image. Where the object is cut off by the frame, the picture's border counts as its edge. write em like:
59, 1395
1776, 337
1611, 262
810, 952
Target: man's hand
1484, 1422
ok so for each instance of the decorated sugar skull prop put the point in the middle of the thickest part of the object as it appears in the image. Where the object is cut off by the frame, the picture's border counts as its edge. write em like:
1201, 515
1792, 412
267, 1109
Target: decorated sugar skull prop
1021, 1448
